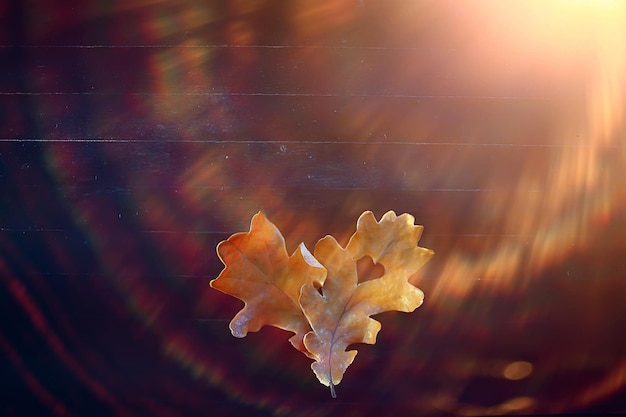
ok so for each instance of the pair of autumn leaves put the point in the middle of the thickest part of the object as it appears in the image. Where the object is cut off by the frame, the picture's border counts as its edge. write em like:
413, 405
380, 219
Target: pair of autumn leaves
318, 296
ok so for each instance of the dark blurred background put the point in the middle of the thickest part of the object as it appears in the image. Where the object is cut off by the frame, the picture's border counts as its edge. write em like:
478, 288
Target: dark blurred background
135, 135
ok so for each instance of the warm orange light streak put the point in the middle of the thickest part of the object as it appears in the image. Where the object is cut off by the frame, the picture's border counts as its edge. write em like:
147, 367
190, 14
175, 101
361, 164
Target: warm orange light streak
609, 386
307, 15
582, 40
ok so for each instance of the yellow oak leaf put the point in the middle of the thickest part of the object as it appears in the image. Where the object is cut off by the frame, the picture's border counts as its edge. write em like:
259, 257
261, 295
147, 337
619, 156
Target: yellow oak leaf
320, 298
259, 272
339, 314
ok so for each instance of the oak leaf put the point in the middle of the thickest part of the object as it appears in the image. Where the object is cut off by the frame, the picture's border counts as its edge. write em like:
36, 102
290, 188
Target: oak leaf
259, 272
339, 315
319, 297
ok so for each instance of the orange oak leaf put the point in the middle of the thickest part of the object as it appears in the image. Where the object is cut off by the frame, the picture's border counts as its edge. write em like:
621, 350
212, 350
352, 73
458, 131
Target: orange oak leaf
339, 314
259, 272
320, 298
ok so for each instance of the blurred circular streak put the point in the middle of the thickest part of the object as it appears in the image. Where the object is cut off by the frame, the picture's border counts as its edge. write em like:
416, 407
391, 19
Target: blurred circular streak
55, 342
147, 303
306, 15
615, 381
514, 405
57, 407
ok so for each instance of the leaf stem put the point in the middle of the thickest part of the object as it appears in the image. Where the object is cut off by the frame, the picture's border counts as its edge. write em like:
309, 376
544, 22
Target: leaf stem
332, 390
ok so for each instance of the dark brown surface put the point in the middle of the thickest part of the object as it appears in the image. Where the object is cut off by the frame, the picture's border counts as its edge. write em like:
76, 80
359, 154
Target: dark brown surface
136, 136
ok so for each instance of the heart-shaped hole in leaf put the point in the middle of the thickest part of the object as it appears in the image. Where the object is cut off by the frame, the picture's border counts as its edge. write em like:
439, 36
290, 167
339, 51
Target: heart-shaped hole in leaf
368, 270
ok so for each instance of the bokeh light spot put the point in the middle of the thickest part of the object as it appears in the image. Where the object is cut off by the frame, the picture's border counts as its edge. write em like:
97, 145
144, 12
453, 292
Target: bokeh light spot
517, 370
